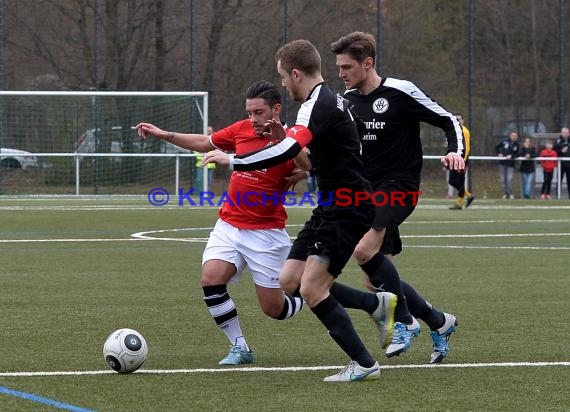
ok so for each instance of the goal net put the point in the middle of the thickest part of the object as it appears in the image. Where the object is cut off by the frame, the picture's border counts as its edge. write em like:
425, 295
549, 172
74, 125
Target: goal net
85, 142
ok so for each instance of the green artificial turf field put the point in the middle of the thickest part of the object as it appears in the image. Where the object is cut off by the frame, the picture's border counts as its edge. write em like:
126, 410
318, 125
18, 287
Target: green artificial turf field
72, 272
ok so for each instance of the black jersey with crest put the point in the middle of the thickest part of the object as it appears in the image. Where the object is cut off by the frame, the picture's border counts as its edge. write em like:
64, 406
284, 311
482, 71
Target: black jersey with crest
391, 116
327, 128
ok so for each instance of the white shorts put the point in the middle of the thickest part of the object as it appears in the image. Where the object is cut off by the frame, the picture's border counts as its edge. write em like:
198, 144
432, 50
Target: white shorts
263, 250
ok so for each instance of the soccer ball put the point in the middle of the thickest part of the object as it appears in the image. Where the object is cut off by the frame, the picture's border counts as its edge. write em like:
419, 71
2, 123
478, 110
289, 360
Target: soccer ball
125, 350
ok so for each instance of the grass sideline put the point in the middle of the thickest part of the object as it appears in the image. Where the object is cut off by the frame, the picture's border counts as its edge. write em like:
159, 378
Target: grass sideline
72, 273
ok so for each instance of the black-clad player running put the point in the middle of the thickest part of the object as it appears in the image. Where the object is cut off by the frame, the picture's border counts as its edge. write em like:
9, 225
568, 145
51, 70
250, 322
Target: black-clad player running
391, 111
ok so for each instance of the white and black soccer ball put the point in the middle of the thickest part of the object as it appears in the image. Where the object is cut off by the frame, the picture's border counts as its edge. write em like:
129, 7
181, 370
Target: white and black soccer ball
125, 350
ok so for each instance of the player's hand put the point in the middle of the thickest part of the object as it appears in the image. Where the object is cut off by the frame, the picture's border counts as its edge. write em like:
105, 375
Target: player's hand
295, 177
453, 161
145, 129
216, 156
276, 130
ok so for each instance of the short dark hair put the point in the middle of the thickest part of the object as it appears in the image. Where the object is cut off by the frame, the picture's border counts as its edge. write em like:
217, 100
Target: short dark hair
300, 55
358, 45
264, 90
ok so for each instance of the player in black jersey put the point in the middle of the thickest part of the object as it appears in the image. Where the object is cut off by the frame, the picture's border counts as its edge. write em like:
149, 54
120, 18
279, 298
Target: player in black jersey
325, 244
390, 111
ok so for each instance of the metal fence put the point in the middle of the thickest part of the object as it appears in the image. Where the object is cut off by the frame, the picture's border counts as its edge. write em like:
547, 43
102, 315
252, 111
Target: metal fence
74, 174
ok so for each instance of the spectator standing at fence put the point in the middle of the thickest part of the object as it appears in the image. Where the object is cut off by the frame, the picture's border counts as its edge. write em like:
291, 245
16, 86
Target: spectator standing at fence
562, 148
548, 167
527, 167
508, 149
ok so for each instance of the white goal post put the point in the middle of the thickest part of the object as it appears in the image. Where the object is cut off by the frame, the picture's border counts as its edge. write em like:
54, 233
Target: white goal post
84, 142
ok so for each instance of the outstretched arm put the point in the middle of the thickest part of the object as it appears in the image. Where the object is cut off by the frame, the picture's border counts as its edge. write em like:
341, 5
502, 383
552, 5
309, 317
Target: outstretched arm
196, 142
288, 148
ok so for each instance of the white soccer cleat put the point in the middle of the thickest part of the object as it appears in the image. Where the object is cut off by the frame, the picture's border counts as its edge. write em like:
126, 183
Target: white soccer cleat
353, 372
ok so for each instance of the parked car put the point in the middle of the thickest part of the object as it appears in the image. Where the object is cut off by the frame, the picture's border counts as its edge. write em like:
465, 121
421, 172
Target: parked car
88, 143
17, 159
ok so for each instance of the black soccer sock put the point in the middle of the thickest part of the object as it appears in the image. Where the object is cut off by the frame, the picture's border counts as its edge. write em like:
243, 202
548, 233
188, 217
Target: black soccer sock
421, 308
220, 304
338, 323
291, 306
352, 298
384, 277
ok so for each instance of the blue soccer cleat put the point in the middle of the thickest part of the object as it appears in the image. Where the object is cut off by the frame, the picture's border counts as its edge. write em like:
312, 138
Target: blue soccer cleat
441, 337
402, 337
237, 356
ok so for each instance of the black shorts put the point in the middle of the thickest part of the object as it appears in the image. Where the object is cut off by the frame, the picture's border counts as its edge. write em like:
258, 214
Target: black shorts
333, 232
395, 199
392, 244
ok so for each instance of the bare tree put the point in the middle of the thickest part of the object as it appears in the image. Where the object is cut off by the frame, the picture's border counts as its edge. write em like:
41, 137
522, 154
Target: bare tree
131, 32
50, 44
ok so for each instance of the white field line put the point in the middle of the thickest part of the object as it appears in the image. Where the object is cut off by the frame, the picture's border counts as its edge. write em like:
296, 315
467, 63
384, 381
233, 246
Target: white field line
492, 222
148, 235
65, 240
486, 247
288, 369
483, 235
90, 208
204, 240
501, 207
216, 207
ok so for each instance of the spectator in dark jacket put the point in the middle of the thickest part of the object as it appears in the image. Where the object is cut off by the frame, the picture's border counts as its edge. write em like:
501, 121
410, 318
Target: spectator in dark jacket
527, 168
562, 147
508, 149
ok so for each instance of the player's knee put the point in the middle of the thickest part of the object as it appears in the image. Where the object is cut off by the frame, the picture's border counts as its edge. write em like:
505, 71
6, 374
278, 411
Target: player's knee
288, 283
310, 295
272, 309
363, 253
212, 279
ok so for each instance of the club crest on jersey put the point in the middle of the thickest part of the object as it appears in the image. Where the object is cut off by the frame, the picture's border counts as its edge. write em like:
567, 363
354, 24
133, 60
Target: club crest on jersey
380, 105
